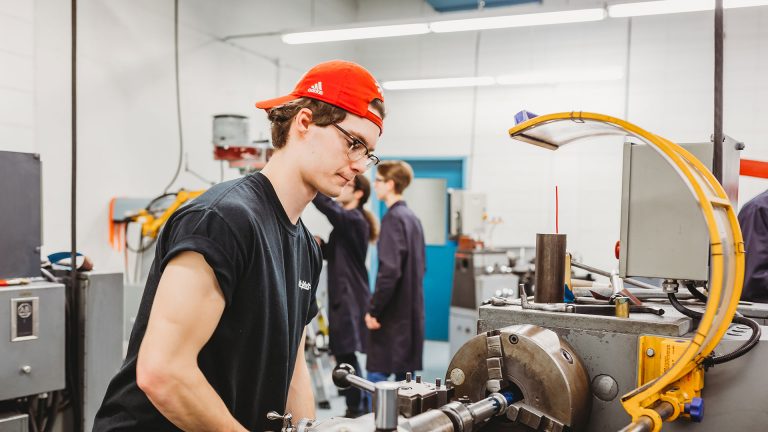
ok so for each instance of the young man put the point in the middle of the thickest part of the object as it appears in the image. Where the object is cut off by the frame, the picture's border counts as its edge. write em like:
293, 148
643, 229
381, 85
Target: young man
348, 291
396, 313
219, 338
753, 219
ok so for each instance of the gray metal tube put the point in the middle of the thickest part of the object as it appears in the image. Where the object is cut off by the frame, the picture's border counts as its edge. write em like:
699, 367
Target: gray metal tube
491, 406
385, 405
550, 268
433, 420
645, 423
549, 307
361, 383
630, 281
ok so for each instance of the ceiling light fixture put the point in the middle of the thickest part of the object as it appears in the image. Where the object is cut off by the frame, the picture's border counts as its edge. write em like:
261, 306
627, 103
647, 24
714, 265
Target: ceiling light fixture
641, 8
561, 76
439, 83
660, 7
356, 33
522, 20
546, 77
484, 23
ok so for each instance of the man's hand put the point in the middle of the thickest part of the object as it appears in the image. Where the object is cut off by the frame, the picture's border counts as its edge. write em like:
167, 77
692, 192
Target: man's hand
371, 322
301, 400
319, 240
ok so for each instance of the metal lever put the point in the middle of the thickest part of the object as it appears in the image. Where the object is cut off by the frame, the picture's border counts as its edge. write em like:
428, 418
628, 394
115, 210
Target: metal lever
286, 419
344, 377
384, 392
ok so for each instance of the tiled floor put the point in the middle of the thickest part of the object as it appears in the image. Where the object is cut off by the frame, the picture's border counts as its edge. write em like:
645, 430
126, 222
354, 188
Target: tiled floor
435, 363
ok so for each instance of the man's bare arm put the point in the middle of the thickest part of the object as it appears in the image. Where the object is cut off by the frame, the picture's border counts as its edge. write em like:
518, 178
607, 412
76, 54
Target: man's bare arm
301, 400
185, 312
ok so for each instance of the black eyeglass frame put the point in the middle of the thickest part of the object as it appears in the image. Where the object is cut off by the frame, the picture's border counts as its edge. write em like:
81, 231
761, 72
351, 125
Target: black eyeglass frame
373, 160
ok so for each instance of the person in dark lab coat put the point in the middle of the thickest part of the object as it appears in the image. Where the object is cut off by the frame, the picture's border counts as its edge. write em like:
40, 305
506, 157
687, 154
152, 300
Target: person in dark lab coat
753, 219
348, 290
396, 312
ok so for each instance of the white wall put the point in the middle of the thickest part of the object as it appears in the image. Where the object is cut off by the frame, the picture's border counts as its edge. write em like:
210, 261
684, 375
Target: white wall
17, 71
670, 93
127, 120
127, 131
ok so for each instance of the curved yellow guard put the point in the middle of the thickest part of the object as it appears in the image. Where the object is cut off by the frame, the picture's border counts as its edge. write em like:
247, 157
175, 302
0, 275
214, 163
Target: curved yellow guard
726, 243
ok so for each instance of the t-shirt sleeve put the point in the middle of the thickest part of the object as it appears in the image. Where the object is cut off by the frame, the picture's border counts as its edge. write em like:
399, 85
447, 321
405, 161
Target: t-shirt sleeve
206, 233
317, 267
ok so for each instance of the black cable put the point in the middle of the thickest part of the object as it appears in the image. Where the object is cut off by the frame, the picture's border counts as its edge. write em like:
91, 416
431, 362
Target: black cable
717, 163
178, 96
738, 352
53, 408
696, 293
72, 317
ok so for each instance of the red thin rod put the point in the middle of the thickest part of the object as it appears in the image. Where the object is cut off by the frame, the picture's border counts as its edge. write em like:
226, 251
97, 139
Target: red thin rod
557, 212
753, 168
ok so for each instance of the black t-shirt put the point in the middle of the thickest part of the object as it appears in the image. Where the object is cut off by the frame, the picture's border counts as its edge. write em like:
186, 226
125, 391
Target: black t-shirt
268, 270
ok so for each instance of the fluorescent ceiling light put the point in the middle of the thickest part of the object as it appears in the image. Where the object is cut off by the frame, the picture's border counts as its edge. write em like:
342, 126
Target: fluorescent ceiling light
356, 33
675, 6
439, 83
523, 20
527, 78
561, 76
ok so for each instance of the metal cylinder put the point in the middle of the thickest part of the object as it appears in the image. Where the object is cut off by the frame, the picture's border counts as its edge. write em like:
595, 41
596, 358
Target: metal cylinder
385, 405
622, 307
645, 423
550, 268
230, 130
460, 416
487, 408
430, 421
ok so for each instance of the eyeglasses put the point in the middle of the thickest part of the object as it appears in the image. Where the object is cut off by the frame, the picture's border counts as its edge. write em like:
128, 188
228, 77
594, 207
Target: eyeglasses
358, 149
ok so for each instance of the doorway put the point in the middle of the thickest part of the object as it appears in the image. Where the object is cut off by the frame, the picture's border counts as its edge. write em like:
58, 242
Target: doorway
429, 200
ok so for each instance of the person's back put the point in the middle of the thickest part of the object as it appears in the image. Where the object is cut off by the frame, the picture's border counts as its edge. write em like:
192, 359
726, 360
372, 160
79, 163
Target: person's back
396, 313
753, 219
348, 291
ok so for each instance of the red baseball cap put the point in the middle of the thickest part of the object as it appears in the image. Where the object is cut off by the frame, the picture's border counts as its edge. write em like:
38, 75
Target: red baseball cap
341, 83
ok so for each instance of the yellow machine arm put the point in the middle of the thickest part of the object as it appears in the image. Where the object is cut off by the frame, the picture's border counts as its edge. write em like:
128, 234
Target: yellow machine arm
661, 398
151, 225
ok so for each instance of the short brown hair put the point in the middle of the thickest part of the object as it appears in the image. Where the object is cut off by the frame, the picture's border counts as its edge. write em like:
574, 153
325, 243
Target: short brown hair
323, 114
400, 172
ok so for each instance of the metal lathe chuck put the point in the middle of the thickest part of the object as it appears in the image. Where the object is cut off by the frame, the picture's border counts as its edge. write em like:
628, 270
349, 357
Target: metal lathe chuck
541, 369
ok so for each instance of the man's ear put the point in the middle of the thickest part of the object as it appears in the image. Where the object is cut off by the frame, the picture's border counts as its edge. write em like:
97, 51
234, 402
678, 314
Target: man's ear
302, 120
358, 194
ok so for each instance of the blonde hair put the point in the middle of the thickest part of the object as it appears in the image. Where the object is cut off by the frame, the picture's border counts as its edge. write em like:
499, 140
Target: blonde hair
400, 172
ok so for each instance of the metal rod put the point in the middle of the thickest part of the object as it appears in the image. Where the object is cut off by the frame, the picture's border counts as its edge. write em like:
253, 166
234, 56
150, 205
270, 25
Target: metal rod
385, 406
550, 268
361, 383
645, 423
717, 162
629, 281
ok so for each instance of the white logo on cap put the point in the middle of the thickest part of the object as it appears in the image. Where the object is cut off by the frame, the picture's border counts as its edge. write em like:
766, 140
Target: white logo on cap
316, 88
378, 87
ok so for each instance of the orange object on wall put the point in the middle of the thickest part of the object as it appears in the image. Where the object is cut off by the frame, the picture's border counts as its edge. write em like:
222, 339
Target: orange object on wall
753, 168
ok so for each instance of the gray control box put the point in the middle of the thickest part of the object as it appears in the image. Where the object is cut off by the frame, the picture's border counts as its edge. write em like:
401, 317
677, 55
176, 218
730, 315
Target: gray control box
11, 422
663, 232
32, 339
21, 217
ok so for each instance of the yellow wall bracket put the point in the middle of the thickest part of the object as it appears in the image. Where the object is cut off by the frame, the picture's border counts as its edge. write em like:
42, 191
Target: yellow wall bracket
151, 225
